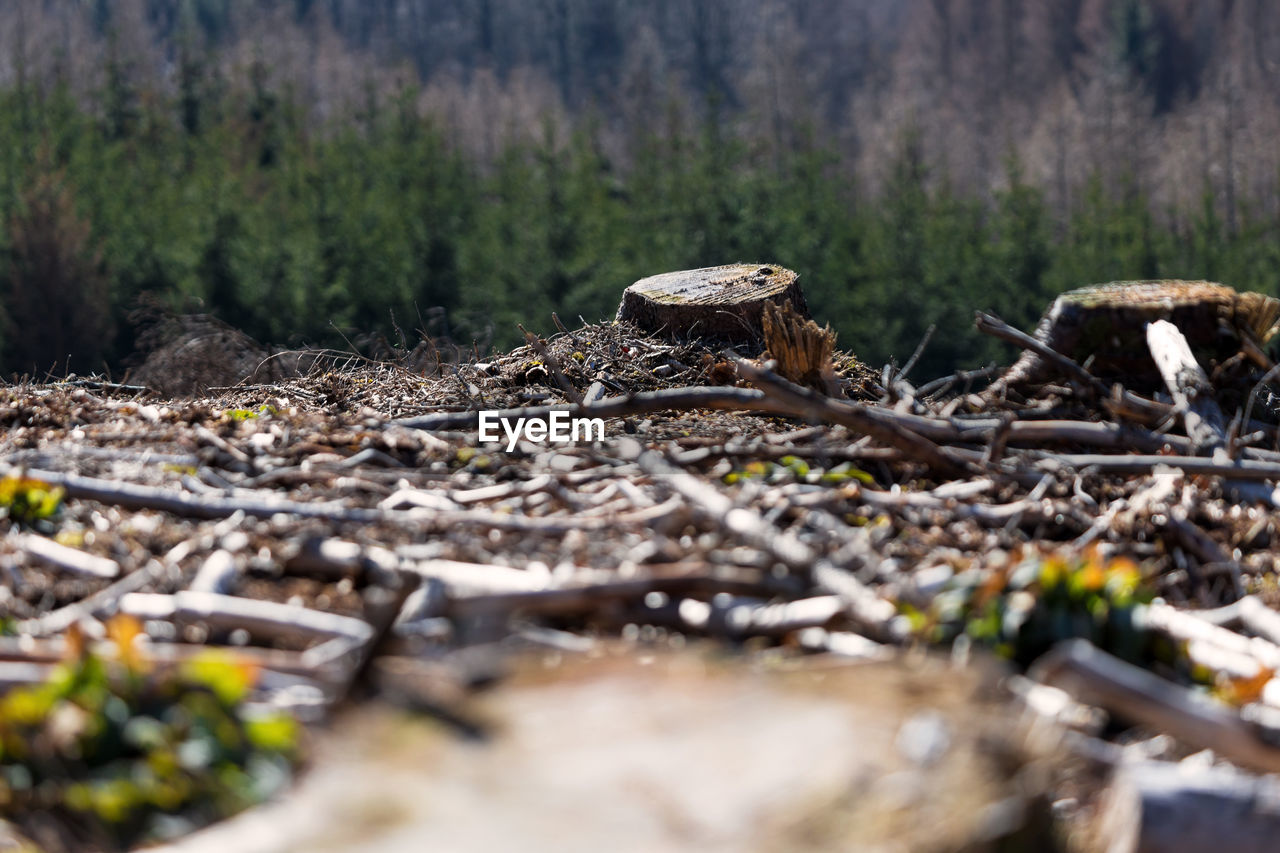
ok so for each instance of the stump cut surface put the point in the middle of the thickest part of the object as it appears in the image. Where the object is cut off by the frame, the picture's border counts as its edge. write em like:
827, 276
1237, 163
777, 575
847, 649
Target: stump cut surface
724, 302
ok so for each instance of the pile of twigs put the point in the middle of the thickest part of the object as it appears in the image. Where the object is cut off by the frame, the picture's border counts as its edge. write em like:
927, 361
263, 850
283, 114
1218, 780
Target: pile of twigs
347, 526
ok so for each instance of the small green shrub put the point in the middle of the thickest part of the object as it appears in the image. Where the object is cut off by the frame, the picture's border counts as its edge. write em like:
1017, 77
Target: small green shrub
123, 752
239, 415
28, 501
1023, 609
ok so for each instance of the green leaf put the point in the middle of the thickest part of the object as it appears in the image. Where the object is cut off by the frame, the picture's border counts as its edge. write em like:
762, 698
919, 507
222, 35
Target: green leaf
273, 732
844, 472
28, 500
228, 678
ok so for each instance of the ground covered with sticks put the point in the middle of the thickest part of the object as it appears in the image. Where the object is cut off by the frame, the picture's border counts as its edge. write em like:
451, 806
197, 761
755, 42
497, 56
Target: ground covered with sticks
1054, 593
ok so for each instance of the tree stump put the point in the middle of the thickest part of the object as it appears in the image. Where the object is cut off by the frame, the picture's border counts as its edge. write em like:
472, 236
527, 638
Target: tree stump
1107, 324
721, 303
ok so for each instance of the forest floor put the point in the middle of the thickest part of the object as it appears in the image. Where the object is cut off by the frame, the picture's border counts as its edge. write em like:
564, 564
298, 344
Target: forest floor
752, 615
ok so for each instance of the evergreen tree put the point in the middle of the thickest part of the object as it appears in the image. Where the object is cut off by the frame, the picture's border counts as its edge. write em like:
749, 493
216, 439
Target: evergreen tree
56, 300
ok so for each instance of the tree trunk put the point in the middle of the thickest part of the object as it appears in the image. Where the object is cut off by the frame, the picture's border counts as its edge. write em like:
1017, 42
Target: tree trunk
722, 303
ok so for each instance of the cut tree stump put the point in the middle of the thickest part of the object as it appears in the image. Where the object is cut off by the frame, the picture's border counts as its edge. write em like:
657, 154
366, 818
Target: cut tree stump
1104, 325
721, 303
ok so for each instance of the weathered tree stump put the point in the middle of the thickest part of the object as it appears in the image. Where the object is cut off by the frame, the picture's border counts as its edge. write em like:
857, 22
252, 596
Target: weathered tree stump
722, 303
1105, 324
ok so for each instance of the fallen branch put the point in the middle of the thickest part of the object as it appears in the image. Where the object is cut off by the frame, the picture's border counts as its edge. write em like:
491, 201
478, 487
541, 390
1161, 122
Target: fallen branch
477, 578
67, 558
584, 599
333, 559
845, 644
870, 612
885, 425
382, 605
1188, 626
862, 419
261, 618
1188, 385
1140, 697
134, 496
54, 650
1189, 535
994, 326
1259, 618
1240, 469
22, 674
777, 620
944, 384
98, 604
649, 402
219, 573
745, 524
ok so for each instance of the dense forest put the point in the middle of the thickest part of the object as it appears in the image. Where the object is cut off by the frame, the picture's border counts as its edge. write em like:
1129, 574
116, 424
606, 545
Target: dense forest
330, 171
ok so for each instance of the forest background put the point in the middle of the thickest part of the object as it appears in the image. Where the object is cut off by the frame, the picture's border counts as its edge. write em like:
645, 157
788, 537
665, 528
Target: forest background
322, 171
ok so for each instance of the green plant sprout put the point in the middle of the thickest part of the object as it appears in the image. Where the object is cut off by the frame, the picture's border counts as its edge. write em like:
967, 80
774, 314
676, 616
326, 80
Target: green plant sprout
29, 501
1023, 609
239, 415
126, 752
797, 470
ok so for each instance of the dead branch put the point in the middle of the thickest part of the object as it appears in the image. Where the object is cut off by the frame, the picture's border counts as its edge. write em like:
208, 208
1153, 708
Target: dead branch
261, 618
134, 496
585, 599
1240, 469
218, 574
1188, 384
100, 603
1190, 627
336, 558
868, 610
1141, 697
382, 606
991, 325
476, 579
863, 419
65, 557
845, 644
649, 402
